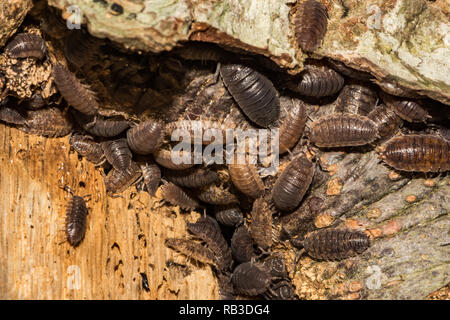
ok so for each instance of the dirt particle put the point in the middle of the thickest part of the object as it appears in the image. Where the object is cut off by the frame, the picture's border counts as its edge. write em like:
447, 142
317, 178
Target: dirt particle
323, 220
374, 213
334, 187
411, 198
429, 183
355, 286
394, 176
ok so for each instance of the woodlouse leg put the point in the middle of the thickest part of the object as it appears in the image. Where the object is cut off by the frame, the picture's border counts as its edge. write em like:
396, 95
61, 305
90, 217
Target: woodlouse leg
297, 257
217, 73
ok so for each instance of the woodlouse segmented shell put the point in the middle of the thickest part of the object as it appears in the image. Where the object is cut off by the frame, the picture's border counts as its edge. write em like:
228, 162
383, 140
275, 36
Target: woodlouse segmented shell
340, 130
12, 115
145, 137
276, 265
246, 179
335, 244
293, 125
118, 181
386, 120
228, 215
117, 153
192, 250
191, 178
242, 245
88, 148
253, 92
47, 122
207, 229
409, 110
261, 224
78, 95
177, 196
164, 158
102, 127
317, 81
36, 102
26, 45
310, 24
356, 99
423, 153
76, 213
250, 279
152, 176
291, 186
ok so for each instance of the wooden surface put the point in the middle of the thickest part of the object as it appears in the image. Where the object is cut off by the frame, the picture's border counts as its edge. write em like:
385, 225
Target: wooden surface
124, 238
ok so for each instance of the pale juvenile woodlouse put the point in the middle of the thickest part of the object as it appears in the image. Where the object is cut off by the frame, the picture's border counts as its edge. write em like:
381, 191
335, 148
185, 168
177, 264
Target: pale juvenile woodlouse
317, 81
177, 196
145, 137
253, 92
48, 122
293, 125
261, 223
386, 120
310, 24
25, 45
335, 244
164, 158
207, 229
76, 214
409, 110
228, 215
216, 195
357, 99
292, 184
117, 153
341, 130
86, 146
242, 245
246, 179
422, 153
192, 250
251, 279
152, 176
191, 178
78, 95
118, 181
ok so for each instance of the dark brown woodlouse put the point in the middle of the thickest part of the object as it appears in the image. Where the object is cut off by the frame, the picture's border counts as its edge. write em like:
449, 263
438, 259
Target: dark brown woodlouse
36, 102
301, 221
117, 153
280, 290
215, 195
207, 229
292, 184
118, 181
253, 92
192, 250
246, 179
341, 130
152, 176
48, 122
78, 95
409, 110
102, 127
178, 197
356, 99
76, 213
386, 120
444, 132
25, 45
12, 115
242, 245
86, 147
80, 47
191, 178
250, 279
293, 125
276, 265
347, 71
310, 24
145, 137
317, 81
335, 244
261, 224
422, 153
229, 215
164, 158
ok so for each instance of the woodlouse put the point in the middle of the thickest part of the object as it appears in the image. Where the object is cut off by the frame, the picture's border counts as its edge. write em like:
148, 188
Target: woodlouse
25, 45
386, 120
117, 153
246, 179
301, 221
12, 115
310, 24
276, 265
102, 127
36, 102
86, 146
317, 81
409, 110
192, 250
253, 92
293, 125
48, 122
177, 196
335, 244
118, 181
216, 195
76, 213
207, 229
164, 158
281, 290
228, 215
152, 176
292, 184
191, 178
261, 224
356, 99
250, 279
423, 153
78, 95
145, 137
341, 130
242, 245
